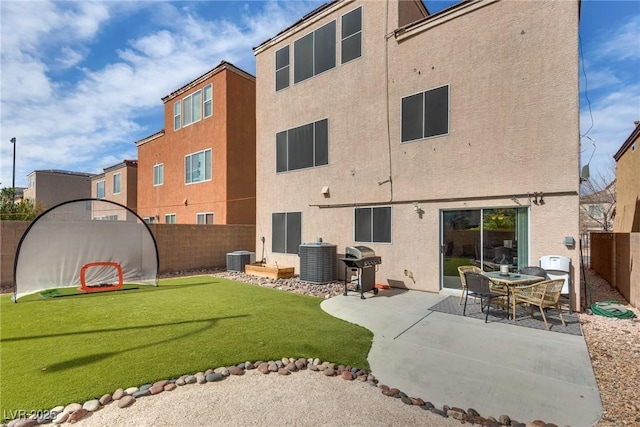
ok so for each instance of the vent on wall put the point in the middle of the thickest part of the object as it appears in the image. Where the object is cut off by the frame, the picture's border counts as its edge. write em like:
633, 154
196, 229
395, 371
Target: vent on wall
317, 262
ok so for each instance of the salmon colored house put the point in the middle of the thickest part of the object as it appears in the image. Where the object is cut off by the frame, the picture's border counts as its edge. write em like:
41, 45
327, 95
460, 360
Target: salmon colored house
200, 169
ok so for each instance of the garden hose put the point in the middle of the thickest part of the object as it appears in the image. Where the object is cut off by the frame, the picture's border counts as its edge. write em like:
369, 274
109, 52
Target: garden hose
612, 308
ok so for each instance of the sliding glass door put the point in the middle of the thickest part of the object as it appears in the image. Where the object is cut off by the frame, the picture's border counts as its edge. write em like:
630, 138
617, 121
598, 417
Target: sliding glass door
485, 238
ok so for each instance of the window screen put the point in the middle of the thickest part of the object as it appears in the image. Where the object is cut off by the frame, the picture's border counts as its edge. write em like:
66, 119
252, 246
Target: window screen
176, 116
425, 114
373, 224
208, 100
303, 147
315, 52
303, 58
352, 35
286, 232
281, 151
282, 68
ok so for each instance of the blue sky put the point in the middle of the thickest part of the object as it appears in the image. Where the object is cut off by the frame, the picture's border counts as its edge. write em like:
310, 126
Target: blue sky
82, 81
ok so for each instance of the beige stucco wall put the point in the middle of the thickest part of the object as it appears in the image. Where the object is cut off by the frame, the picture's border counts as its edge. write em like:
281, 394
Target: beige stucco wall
52, 188
628, 191
512, 68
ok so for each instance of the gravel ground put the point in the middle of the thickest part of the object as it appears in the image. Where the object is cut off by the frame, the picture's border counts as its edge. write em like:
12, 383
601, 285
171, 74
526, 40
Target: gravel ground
614, 344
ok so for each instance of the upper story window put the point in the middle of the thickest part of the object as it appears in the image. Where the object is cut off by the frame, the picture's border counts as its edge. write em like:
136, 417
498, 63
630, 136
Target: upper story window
282, 68
116, 183
192, 108
303, 147
425, 114
373, 224
208, 100
170, 218
286, 232
351, 35
315, 52
158, 174
100, 190
177, 115
197, 167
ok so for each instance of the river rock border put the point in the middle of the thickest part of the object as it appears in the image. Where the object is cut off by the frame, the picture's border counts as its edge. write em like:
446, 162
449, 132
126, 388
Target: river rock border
125, 397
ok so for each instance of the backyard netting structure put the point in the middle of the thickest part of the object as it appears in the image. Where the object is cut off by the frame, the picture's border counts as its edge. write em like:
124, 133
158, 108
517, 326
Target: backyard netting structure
78, 244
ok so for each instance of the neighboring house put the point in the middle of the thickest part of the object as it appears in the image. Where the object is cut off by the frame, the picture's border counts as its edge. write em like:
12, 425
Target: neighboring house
118, 183
435, 140
201, 168
628, 189
597, 209
49, 188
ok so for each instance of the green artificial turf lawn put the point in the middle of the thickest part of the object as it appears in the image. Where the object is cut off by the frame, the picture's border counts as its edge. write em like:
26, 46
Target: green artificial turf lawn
54, 351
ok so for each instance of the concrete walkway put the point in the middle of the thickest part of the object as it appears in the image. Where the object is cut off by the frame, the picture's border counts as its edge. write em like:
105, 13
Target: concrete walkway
494, 368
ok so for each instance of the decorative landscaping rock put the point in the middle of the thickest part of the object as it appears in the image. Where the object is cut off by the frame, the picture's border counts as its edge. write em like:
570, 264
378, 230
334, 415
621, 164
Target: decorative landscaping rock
316, 361
191, 379
234, 370
214, 377
57, 409
273, 367
249, 366
284, 371
291, 367
313, 367
330, 372
91, 405
161, 383
23, 422
77, 415
141, 393
201, 379
346, 375
131, 390
427, 405
144, 387
264, 368
180, 381
105, 399
439, 412
119, 394
156, 388
505, 420
457, 414
71, 407
406, 400
126, 401
170, 387
300, 364
472, 412
61, 417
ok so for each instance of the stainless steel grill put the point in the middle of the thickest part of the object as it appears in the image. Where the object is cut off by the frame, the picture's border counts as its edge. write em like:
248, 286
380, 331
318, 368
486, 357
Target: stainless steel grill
362, 260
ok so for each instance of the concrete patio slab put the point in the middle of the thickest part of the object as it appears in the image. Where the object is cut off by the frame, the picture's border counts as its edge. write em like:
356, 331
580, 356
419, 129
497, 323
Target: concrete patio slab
494, 368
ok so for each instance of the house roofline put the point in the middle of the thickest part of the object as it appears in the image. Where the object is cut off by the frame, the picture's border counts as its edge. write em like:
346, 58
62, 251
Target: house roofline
124, 163
62, 172
149, 138
635, 134
224, 65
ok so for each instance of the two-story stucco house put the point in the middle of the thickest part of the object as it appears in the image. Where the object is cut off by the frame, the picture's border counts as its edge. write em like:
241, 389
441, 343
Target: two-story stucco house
200, 169
50, 187
118, 183
628, 188
435, 140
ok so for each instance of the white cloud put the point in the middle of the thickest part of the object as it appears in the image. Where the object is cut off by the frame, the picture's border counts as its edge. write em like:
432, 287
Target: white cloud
89, 118
623, 43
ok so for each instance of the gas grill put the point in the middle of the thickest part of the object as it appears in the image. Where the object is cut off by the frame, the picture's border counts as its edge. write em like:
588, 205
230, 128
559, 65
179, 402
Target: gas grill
362, 261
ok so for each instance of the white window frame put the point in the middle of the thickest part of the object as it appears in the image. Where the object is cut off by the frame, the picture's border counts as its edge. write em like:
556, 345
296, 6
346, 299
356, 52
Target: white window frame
205, 215
100, 184
189, 116
160, 181
117, 183
206, 101
170, 218
190, 156
177, 115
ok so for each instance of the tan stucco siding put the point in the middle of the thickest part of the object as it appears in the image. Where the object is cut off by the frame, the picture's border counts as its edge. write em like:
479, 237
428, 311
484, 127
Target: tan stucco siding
628, 190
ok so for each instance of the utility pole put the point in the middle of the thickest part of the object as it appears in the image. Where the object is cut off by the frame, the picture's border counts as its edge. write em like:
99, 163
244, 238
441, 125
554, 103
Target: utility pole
13, 182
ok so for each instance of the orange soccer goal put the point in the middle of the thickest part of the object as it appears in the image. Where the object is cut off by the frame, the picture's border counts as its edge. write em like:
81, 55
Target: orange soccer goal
100, 287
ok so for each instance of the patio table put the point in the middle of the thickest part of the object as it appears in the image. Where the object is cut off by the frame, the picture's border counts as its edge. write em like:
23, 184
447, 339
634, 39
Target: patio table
512, 280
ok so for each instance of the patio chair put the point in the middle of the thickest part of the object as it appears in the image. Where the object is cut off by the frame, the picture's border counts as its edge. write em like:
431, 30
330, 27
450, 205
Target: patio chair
543, 295
463, 269
479, 285
534, 271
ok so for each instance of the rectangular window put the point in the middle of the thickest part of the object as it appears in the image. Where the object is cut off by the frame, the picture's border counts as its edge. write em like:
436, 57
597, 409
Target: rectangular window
192, 106
315, 52
204, 218
197, 167
158, 174
425, 114
100, 190
176, 115
208, 100
373, 224
282, 68
116, 183
303, 147
170, 218
352, 35
595, 211
286, 232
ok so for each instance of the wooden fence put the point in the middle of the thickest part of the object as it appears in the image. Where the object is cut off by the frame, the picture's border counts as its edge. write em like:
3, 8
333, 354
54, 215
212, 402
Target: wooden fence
616, 258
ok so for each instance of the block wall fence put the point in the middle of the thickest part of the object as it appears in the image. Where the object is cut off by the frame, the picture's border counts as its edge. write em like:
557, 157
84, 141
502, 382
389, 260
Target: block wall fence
180, 246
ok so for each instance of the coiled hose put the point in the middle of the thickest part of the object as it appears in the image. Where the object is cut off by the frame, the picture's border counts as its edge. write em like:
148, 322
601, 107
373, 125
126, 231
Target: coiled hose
612, 308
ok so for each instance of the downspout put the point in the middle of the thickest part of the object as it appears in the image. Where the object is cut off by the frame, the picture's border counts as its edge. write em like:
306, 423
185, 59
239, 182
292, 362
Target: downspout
386, 72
